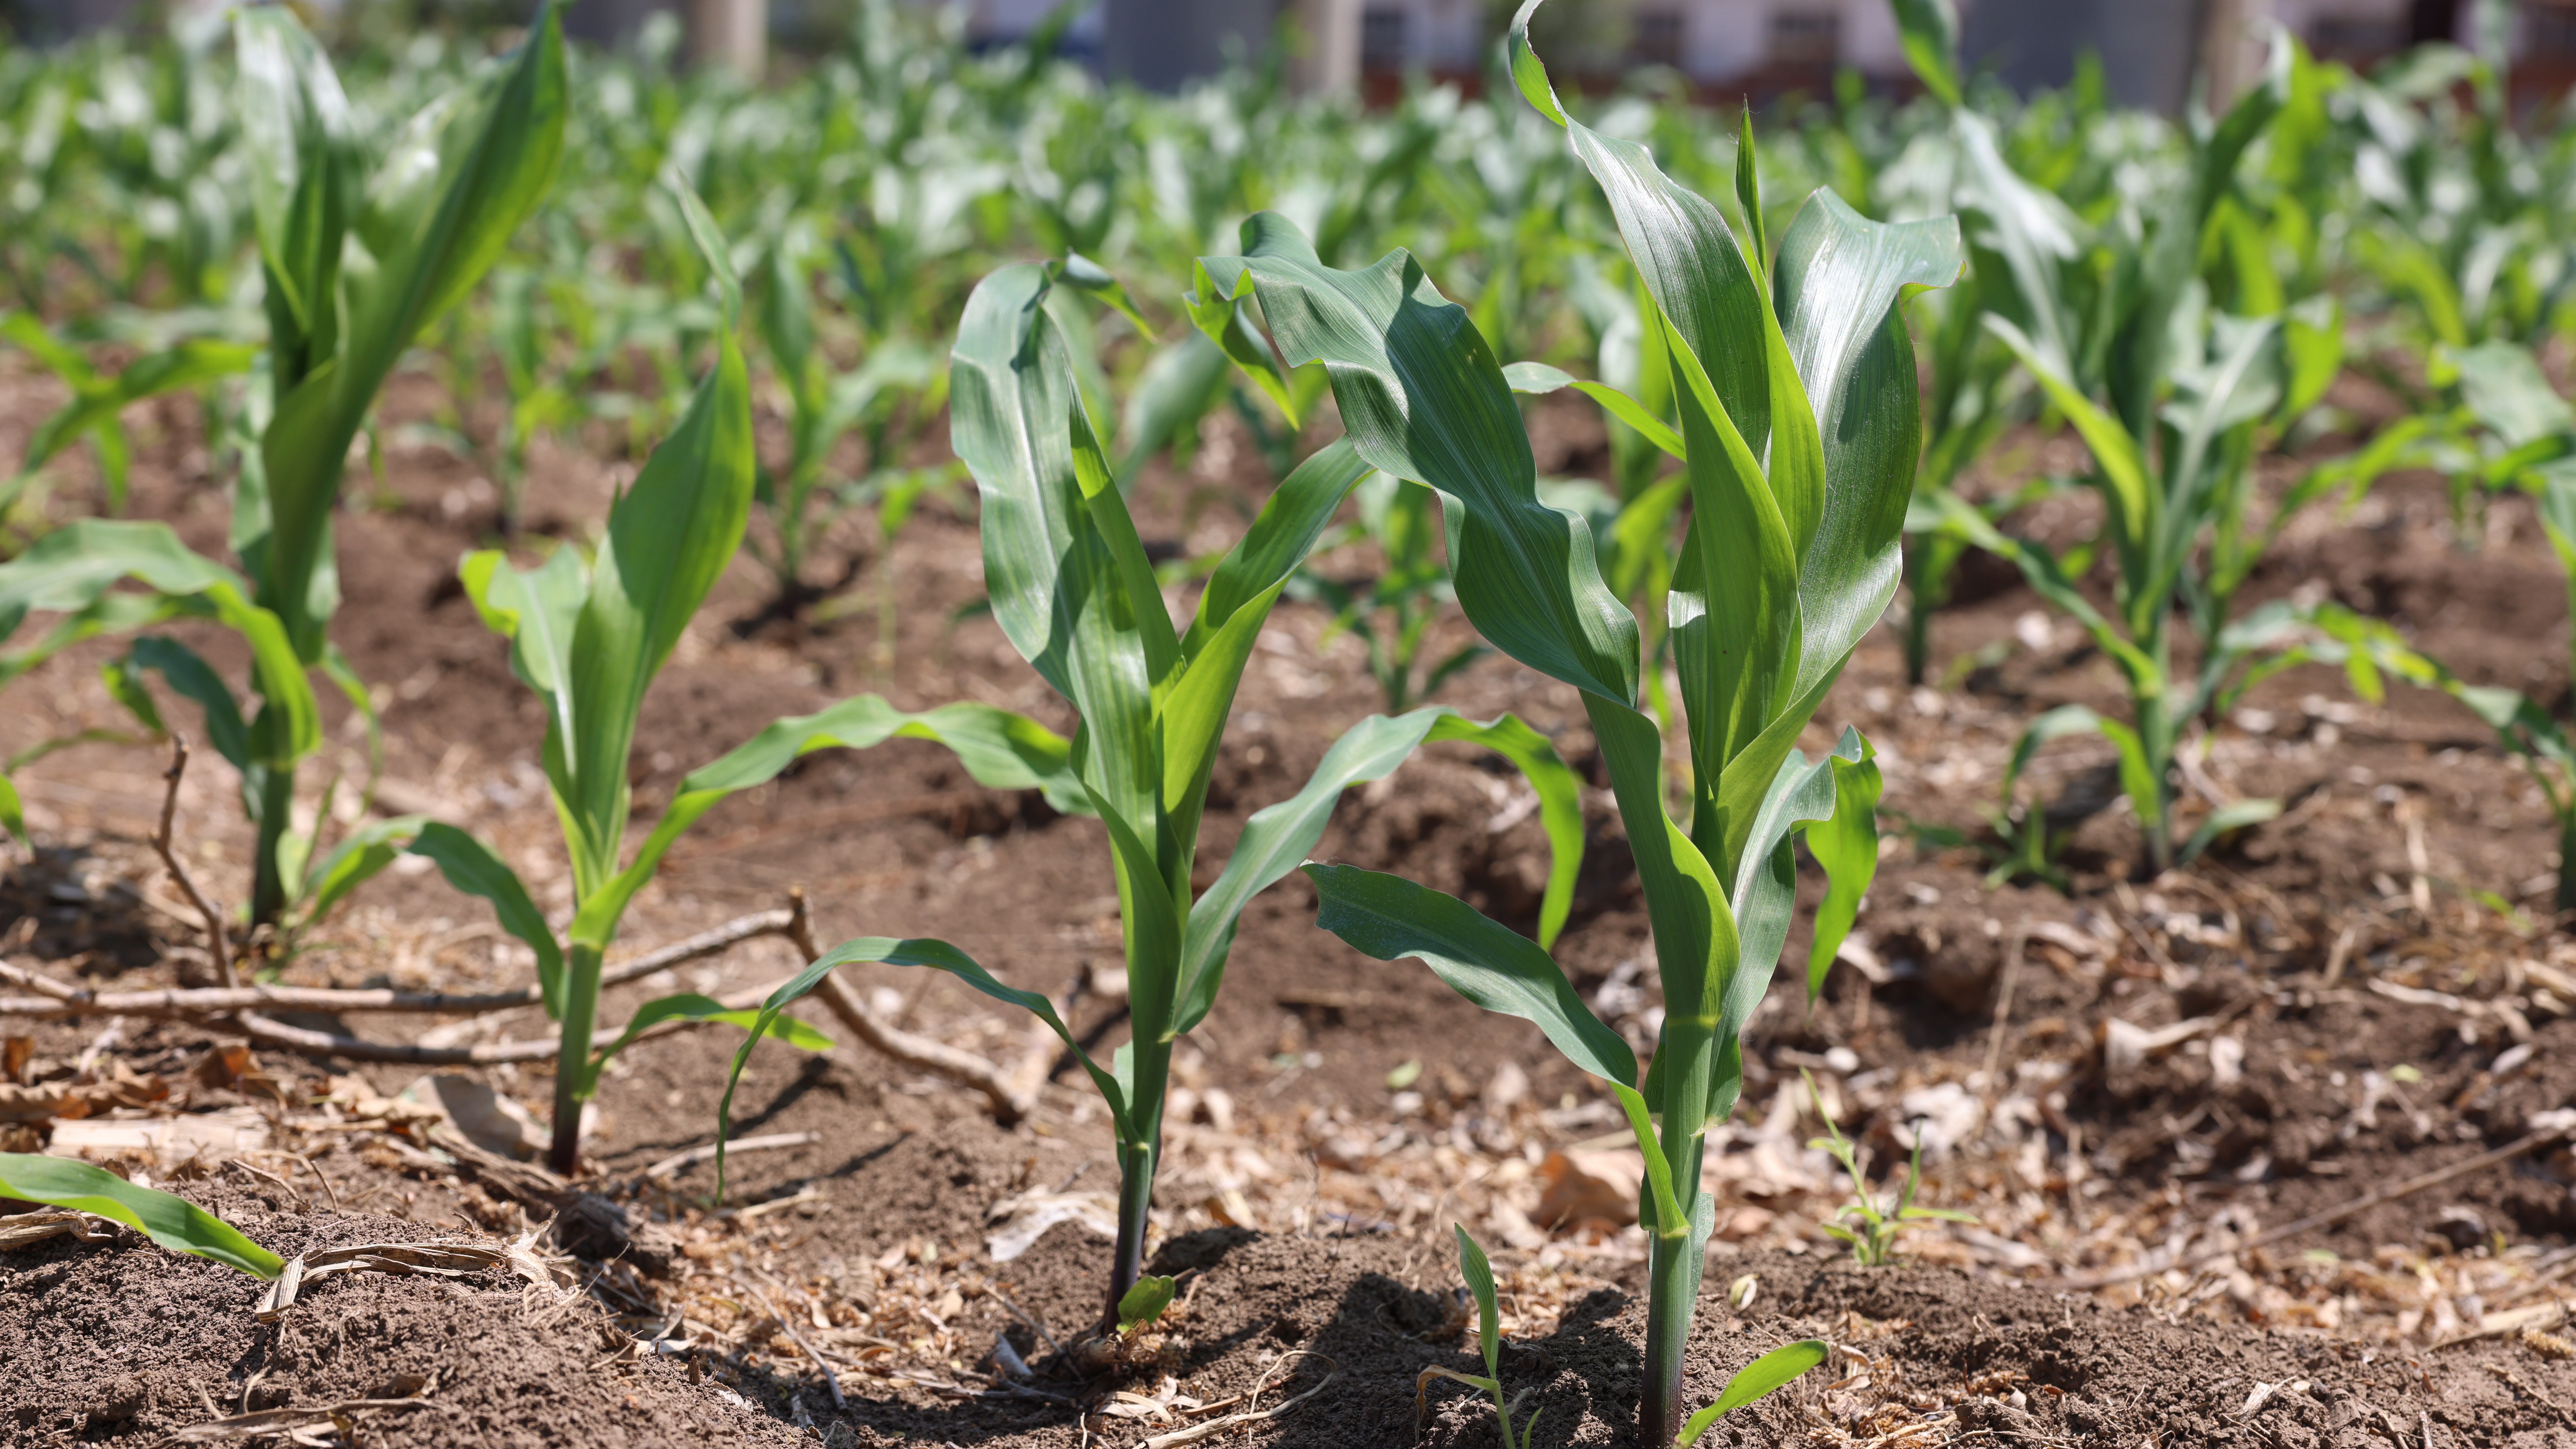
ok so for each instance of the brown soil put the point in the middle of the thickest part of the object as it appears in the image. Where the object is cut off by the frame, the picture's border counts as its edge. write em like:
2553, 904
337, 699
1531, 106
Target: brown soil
2396, 813
126, 1343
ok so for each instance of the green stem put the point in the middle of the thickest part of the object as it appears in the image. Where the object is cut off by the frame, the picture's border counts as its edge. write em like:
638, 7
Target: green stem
1135, 1204
1672, 1280
276, 814
2155, 741
572, 1058
1140, 1151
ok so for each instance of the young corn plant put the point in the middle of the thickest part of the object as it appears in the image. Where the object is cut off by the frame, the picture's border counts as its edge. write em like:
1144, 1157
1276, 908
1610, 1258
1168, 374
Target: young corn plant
357, 260
1074, 592
1795, 386
1756, 1380
588, 636
898, 384
1872, 1225
2174, 398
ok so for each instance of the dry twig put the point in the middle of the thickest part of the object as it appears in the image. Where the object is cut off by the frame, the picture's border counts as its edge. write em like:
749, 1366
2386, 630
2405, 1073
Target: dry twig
215, 941
67, 1000
1011, 1100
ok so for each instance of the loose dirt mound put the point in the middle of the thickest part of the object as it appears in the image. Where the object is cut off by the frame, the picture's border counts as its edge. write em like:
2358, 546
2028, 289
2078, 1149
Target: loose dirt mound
125, 1343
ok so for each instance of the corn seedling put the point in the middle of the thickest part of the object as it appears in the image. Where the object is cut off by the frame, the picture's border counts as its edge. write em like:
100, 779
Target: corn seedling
1073, 591
893, 392
173, 1222
1795, 390
96, 412
356, 265
1479, 1277
2172, 396
1866, 1224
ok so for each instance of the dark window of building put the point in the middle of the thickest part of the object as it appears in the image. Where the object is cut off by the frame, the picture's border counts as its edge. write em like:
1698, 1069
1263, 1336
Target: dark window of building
1805, 37
2429, 20
2550, 32
2354, 37
1655, 38
1382, 38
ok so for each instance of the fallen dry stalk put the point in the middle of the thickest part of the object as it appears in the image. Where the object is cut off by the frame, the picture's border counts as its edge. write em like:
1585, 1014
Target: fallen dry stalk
288, 1421
1011, 1100
214, 919
678, 1161
2147, 1266
64, 1000
1212, 1427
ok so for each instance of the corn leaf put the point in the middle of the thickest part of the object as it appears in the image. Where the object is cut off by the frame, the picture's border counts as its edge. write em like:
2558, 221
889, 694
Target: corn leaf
173, 1222
73, 568
938, 955
1000, 750
1929, 32
456, 183
1278, 836
1386, 917
358, 858
1755, 1380
1847, 848
690, 1006
473, 867
1479, 1274
669, 538
192, 678
1537, 378
1422, 398
13, 815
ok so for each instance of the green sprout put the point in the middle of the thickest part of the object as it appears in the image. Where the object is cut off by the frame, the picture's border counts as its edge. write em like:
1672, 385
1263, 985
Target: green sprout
1872, 1235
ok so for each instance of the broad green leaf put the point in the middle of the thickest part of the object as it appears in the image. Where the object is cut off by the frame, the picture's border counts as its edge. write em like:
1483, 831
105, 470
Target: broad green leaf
1495, 967
173, 1222
2230, 817
13, 815
1756, 1380
1537, 378
2115, 452
1847, 848
194, 679
456, 182
1734, 599
73, 569
95, 409
1423, 399
358, 857
1386, 917
1837, 284
1929, 32
300, 140
690, 1006
938, 955
1685, 254
1069, 584
1232, 609
1278, 836
1000, 750
537, 610
1178, 387
669, 538
474, 868
2505, 390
